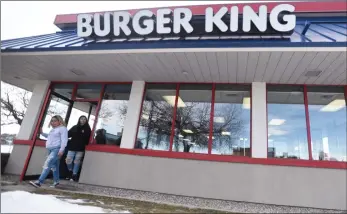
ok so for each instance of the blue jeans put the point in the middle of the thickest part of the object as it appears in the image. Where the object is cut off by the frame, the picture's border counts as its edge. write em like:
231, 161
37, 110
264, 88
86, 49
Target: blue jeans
73, 161
52, 162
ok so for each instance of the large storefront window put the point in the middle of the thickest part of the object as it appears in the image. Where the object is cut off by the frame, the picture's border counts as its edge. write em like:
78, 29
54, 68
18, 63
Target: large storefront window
82, 109
156, 117
231, 122
88, 91
287, 133
327, 110
59, 104
193, 118
112, 114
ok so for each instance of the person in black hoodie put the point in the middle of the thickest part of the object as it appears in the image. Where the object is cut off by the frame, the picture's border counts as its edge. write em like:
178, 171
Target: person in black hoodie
79, 135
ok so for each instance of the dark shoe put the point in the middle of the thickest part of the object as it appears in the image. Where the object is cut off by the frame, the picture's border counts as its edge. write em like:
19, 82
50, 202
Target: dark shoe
35, 184
74, 178
69, 175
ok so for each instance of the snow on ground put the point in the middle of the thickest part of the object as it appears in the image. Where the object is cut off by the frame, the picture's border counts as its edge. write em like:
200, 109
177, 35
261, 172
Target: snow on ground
25, 202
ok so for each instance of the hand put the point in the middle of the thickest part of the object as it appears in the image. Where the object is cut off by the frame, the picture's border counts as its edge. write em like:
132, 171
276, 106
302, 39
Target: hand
60, 154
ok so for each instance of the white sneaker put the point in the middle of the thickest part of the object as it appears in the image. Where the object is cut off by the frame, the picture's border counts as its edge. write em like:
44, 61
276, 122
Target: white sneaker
55, 184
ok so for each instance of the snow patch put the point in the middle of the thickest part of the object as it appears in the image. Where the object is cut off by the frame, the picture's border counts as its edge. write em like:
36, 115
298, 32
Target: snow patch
25, 202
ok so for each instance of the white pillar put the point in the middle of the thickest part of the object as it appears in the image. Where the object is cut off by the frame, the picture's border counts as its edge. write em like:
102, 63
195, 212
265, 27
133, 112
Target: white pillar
259, 120
133, 114
34, 108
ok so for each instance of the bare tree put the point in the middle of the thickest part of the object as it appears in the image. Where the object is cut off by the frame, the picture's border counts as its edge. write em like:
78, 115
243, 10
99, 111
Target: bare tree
14, 102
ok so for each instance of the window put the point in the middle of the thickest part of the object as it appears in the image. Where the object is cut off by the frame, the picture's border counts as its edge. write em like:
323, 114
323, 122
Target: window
231, 122
327, 113
156, 117
287, 133
57, 106
61, 103
88, 91
112, 114
81, 109
64, 90
192, 125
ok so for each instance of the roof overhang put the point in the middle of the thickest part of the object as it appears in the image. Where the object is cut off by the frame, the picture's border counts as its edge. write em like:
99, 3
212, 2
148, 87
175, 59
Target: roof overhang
317, 44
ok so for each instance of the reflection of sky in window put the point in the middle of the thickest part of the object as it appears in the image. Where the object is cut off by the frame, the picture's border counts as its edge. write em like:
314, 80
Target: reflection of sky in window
115, 123
328, 132
61, 108
55, 107
237, 123
291, 136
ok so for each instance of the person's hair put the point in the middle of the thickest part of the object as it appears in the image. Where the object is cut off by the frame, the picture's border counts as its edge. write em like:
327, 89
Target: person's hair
78, 122
60, 119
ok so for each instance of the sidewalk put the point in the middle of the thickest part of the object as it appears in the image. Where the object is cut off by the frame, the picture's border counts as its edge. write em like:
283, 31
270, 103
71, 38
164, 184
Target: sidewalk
205, 205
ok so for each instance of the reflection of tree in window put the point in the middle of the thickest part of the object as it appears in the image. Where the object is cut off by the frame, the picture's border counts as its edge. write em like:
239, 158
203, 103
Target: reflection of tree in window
231, 122
156, 117
112, 114
192, 126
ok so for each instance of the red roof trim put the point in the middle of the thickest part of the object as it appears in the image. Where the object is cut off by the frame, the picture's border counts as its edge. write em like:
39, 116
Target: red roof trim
200, 9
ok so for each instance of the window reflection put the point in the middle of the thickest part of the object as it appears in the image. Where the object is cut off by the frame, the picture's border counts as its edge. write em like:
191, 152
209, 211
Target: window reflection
81, 109
327, 110
112, 114
88, 91
156, 117
64, 90
193, 118
231, 123
56, 106
287, 133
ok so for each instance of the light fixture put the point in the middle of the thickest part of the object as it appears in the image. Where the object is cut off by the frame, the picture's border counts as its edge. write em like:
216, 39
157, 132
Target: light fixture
226, 133
180, 135
184, 72
187, 131
171, 101
246, 103
334, 105
270, 140
219, 120
276, 122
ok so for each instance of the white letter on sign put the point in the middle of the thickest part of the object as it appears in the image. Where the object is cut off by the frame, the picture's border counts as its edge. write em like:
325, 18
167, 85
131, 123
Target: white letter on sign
84, 29
178, 21
234, 19
290, 19
162, 20
250, 16
149, 23
97, 24
216, 19
118, 24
